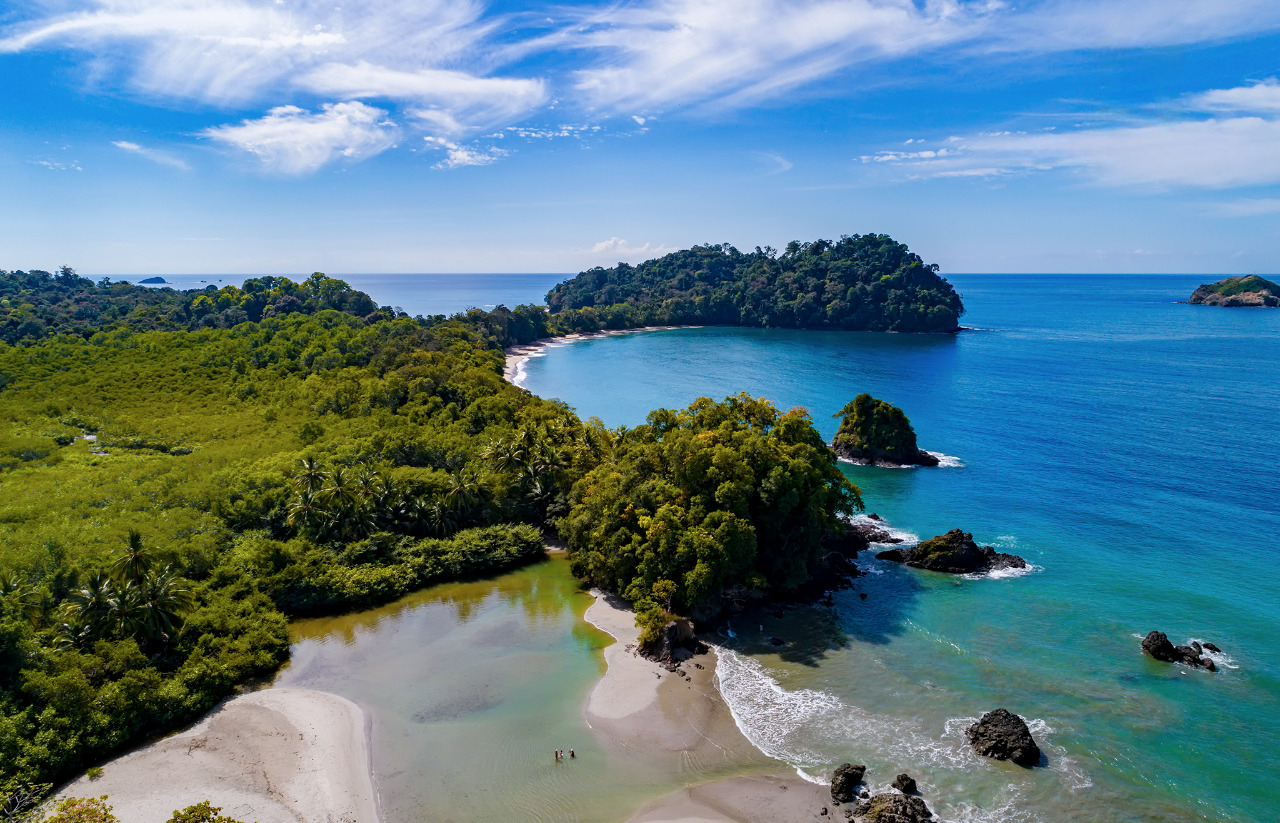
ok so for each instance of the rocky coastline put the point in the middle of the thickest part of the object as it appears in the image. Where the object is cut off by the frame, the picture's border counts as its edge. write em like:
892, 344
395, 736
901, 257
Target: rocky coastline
954, 553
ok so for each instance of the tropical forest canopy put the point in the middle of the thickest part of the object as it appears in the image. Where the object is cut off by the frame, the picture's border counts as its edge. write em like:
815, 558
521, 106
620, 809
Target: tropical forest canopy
169, 497
859, 282
181, 472
722, 499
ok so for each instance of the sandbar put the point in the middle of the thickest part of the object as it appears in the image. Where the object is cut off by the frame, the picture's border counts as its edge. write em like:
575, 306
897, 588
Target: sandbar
271, 756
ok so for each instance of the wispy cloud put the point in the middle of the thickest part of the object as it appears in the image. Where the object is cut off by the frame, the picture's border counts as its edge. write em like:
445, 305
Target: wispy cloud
615, 249
1238, 149
154, 155
736, 52
773, 163
458, 156
290, 140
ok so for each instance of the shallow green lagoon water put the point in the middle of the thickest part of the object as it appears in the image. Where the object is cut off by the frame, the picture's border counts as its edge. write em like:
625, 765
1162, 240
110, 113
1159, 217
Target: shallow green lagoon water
471, 688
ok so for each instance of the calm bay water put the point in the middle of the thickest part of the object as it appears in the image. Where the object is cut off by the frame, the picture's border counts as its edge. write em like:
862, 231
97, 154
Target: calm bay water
1123, 443
1120, 441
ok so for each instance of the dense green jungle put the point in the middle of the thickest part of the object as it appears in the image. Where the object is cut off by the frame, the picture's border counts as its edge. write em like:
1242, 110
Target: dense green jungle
181, 472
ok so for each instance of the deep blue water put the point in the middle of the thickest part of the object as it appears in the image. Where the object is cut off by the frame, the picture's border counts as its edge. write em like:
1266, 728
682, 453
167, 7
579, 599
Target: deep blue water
1121, 441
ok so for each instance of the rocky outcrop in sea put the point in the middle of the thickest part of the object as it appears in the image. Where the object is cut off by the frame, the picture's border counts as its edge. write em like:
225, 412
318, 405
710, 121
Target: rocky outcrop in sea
1003, 735
1238, 292
845, 780
891, 807
955, 553
1158, 645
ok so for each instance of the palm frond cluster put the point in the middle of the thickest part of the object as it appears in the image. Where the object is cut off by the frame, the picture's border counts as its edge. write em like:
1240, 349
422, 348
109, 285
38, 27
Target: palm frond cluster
137, 597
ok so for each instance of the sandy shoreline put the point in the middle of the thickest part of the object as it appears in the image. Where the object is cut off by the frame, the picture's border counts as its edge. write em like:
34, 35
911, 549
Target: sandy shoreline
272, 756
517, 355
640, 707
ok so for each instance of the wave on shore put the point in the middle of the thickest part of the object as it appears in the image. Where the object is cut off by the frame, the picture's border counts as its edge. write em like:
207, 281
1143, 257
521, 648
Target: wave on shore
812, 730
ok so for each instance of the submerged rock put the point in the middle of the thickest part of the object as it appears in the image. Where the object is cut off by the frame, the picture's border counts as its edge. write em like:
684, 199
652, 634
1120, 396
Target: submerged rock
905, 783
892, 807
1157, 645
1003, 735
954, 553
845, 780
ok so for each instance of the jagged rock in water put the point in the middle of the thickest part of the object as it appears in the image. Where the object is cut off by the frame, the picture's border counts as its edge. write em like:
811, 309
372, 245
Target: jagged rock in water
1158, 646
1004, 736
892, 807
954, 553
845, 780
905, 783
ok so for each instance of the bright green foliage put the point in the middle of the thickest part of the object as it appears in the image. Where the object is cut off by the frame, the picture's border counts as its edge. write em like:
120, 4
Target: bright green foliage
875, 428
862, 282
719, 497
82, 810
162, 513
202, 812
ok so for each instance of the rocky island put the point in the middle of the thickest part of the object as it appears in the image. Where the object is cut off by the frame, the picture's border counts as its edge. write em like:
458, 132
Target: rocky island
1249, 290
955, 553
873, 432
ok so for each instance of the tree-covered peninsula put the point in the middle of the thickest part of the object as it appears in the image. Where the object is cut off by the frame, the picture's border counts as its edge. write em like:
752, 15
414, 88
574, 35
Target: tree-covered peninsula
722, 500
875, 432
859, 282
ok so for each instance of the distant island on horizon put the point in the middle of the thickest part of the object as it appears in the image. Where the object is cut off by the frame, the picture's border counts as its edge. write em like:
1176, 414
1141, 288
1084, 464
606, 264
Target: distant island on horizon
1245, 291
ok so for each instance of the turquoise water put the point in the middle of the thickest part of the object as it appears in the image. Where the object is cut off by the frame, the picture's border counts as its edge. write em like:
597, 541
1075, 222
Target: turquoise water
1124, 443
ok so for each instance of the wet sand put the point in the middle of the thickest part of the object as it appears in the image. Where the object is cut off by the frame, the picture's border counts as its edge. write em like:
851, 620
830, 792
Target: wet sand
683, 722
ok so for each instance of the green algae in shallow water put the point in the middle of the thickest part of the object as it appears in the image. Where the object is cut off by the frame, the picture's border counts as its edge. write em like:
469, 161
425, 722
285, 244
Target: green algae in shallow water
472, 687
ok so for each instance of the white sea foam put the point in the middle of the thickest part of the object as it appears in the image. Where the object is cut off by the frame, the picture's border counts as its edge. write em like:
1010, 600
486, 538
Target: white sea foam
907, 538
1220, 659
947, 461
1001, 574
811, 729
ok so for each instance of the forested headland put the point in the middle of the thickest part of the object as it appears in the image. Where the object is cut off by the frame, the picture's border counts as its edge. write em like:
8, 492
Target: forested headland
181, 472
863, 282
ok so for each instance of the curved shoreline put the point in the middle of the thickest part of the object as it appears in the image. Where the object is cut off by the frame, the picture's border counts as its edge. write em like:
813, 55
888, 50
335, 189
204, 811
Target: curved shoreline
517, 355
640, 707
271, 756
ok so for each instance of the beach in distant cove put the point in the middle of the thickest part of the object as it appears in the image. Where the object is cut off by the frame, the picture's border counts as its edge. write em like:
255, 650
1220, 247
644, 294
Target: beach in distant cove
517, 356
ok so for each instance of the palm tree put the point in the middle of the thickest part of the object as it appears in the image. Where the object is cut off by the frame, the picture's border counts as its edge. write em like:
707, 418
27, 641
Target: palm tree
135, 561
92, 607
307, 514
29, 599
153, 608
308, 477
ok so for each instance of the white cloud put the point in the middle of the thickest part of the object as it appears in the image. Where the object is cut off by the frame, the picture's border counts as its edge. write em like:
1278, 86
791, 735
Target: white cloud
1259, 98
615, 249
773, 163
737, 52
290, 140
457, 156
1063, 25
1214, 153
470, 102
154, 155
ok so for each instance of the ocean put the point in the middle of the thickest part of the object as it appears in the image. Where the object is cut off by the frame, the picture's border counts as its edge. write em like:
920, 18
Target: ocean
1122, 442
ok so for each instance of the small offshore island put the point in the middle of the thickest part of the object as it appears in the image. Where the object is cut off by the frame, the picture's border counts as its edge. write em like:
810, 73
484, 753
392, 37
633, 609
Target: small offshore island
1247, 291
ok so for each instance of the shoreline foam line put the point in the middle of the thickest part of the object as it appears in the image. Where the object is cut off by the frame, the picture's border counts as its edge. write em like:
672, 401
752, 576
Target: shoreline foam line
516, 356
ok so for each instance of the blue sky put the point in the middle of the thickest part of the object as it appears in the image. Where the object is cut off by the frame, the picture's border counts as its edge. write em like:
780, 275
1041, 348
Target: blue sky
286, 136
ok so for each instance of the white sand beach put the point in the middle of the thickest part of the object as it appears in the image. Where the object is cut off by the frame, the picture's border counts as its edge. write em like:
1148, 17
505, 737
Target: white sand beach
640, 707
272, 756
